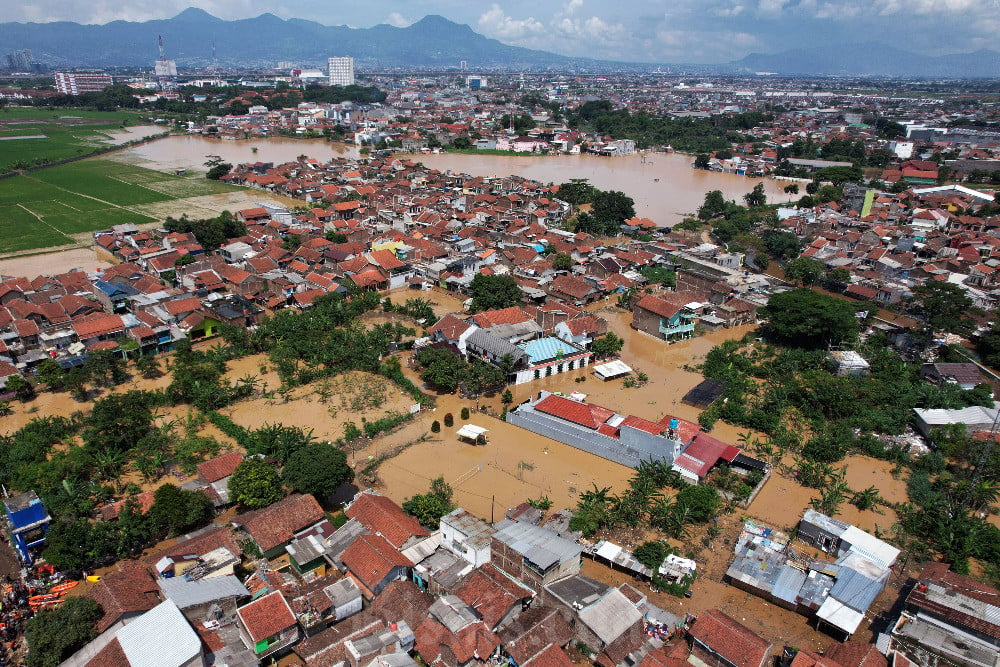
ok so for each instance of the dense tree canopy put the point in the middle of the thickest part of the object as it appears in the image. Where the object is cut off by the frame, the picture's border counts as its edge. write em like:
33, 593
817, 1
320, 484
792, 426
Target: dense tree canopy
804, 270
804, 318
210, 232
319, 469
494, 292
428, 508
255, 484
54, 635
943, 306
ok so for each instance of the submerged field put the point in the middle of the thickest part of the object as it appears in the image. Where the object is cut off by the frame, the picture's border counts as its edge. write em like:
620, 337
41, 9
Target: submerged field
61, 205
29, 135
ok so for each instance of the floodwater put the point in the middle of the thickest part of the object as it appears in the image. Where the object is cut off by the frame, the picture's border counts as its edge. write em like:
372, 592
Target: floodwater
191, 151
663, 185
129, 133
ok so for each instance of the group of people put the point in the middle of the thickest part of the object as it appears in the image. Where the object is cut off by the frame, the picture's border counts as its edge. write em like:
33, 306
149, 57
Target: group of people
14, 613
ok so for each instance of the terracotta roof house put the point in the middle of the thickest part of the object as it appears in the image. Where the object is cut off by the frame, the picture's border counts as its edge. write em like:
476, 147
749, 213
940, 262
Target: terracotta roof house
661, 318
267, 625
124, 594
496, 597
215, 473
381, 516
274, 527
719, 639
375, 563
533, 632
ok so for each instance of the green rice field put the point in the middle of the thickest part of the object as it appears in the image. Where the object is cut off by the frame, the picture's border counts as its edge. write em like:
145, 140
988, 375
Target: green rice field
29, 134
44, 208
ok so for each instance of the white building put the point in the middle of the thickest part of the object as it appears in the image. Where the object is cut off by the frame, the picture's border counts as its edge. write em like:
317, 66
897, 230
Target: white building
77, 83
467, 536
341, 71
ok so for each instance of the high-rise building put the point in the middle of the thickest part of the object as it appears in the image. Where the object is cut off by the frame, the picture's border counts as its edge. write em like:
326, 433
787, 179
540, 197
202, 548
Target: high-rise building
19, 61
76, 83
341, 71
476, 82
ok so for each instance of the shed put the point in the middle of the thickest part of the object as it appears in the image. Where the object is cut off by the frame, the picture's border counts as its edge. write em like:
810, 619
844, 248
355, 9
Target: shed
474, 434
848, 363
611, 370
704, 393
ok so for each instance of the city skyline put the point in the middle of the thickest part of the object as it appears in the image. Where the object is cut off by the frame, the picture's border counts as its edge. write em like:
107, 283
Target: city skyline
693, 31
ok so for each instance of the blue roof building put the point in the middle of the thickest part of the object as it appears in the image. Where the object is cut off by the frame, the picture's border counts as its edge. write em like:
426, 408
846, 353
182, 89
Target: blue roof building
29, 521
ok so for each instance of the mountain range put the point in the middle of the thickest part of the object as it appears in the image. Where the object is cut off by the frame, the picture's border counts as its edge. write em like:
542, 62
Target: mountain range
264, 40
871, 59
434, 41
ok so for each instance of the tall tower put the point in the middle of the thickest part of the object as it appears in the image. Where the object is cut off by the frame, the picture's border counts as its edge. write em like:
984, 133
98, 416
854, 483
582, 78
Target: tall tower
341, 71
165, 70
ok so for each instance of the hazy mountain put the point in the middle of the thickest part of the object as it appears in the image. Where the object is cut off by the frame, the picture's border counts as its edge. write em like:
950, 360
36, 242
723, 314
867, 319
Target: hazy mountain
188, 38
872, 59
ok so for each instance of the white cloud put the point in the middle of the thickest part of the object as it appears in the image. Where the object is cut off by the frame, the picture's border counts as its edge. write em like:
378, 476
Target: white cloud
398, 20
572, 6
495, 23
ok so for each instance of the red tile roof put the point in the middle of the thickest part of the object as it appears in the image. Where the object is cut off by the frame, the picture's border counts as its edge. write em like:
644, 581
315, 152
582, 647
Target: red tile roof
492, 593
704, 452
856, 654
221, 466
382, 516
657, 306
371, 559
553, 656
273, 526
128, 590
585, 414
267, 616
98, 324
731, 639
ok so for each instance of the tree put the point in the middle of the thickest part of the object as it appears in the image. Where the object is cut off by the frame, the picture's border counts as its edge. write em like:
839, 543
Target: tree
837, 279
51, 374
562, 262
255, 484
494, 292
612, 207
449, 420
53, 635
756, 197
651, 554
700, 502
577, 191
506, 398
148, 366
442, 368
607, 345
435, 426
319, 469
714, 205
701, 161
804, 318
791, 189
988, 345
944, 307
176, 510
428, 508
218, 171
21, 387
804, 270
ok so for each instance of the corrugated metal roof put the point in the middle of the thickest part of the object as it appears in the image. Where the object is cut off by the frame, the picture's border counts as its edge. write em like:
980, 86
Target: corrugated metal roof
788, 584
547, 348
855, 589
186, 593
161, 637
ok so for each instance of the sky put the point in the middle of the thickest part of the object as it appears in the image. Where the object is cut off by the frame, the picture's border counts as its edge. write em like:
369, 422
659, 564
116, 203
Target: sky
663, 31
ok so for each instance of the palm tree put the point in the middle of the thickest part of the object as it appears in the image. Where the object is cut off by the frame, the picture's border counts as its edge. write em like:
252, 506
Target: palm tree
867, 499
